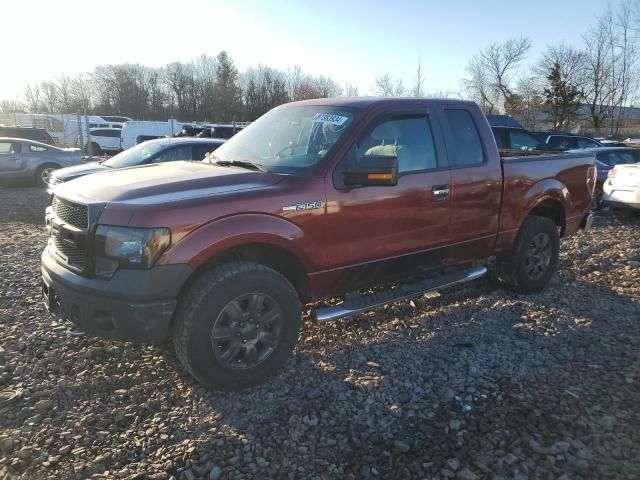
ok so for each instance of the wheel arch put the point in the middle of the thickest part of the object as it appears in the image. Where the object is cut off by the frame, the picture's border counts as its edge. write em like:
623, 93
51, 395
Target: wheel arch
269, 240
270, 255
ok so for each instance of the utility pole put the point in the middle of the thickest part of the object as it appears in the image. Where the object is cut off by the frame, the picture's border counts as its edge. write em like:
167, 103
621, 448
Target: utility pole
89, 145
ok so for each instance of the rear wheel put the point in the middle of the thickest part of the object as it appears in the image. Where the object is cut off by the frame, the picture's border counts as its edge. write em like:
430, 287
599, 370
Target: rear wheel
236, 325
596, 199
43, 175
533, 259
95, 149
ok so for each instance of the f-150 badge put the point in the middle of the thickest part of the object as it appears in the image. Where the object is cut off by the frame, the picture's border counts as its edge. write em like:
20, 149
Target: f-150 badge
302, 206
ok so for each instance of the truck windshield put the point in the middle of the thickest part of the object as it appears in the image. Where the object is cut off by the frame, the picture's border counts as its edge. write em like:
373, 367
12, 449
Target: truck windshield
288, 138
133, 156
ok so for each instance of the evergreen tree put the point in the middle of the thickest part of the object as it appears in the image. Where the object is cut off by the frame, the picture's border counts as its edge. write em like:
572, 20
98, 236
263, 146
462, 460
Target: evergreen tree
562, 98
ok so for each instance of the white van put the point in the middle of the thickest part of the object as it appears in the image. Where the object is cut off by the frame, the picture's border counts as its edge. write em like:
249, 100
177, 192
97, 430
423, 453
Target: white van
140, 131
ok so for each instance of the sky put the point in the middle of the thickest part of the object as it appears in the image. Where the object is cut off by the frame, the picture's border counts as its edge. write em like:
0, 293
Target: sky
352, 41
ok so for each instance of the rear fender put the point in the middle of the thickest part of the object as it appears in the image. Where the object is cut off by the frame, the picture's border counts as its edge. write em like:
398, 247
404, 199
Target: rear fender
546, 189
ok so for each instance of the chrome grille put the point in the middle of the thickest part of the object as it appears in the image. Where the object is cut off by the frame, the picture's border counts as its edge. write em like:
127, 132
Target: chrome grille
68, 254
71, 213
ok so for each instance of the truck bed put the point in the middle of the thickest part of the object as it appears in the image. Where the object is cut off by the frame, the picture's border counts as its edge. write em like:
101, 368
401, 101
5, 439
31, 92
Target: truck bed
530, 177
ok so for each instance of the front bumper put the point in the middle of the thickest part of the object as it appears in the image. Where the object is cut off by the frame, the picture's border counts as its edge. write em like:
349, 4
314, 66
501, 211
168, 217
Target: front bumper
135, 305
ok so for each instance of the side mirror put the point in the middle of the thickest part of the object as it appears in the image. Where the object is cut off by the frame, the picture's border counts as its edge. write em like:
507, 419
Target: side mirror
372, 170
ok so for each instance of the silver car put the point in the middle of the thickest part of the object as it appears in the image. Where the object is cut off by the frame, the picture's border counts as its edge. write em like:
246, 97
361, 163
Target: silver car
32, 161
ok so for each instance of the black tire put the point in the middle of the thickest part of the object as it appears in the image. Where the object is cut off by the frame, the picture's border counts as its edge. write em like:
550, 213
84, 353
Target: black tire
596, 200
521, 268
95, 149
43, 173
206, 304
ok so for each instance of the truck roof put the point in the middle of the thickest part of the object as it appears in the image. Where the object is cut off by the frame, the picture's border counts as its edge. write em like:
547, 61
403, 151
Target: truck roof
365, 102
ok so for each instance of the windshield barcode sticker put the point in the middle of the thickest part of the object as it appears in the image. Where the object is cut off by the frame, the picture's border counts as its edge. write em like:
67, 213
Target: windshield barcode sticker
330, 118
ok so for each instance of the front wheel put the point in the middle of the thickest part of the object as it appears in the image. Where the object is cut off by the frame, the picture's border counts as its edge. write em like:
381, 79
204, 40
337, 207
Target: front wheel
533, 259
236, 325
43, 175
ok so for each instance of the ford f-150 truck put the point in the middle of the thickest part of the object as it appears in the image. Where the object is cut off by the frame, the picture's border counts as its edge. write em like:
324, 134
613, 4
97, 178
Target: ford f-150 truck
370, 200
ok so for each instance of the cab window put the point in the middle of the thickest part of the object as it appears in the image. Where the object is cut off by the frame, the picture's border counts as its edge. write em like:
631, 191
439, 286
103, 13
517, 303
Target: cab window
409, 138
466, 138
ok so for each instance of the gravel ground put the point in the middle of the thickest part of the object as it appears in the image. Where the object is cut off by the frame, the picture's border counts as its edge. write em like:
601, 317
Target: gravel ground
478, 383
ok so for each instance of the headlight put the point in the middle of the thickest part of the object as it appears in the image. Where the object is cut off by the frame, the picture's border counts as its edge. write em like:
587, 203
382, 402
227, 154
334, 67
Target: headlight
128, 247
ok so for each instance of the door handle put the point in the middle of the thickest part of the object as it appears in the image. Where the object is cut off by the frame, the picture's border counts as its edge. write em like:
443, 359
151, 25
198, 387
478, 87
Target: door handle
440, 193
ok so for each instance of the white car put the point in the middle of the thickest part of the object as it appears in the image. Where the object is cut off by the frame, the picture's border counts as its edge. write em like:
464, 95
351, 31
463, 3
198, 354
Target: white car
622, 188
140, 131
104, 140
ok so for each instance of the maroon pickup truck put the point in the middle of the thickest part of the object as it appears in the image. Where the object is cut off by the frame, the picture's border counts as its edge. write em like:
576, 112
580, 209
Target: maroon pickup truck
370, 200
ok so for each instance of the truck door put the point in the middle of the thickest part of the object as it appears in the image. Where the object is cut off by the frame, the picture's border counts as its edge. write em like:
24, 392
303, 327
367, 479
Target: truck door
476, 185
11, 156
388, 232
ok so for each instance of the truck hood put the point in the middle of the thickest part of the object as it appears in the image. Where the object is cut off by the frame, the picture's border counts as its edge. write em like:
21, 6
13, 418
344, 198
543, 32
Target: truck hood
162, 183
69, 173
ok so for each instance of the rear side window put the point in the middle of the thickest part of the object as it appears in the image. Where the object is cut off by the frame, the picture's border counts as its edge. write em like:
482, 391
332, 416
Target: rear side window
502, 138
558, 142
521, 140
173, 154
466, 138
587, 143
37, 148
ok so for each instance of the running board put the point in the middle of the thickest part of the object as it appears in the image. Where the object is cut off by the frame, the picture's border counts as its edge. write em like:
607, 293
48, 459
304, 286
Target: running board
370, 301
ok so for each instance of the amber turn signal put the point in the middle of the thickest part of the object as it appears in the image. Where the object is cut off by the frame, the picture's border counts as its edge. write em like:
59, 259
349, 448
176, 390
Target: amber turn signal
379, 176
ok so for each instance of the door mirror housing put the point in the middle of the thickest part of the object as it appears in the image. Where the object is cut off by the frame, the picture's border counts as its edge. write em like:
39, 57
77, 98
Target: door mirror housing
372, 170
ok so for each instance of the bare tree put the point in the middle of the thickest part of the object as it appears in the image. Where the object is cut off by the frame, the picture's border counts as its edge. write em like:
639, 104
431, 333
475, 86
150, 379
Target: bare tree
351, 90
597, 74
478, 85
417, 90
50, 96
625, 51
492, 71
32, 97
387, 87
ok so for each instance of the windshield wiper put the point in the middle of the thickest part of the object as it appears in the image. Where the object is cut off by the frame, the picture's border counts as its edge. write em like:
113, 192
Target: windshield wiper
240, 163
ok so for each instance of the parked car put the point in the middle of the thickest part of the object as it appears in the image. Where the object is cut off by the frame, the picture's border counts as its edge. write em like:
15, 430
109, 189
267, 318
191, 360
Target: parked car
567, 141
104, 140
153, 151
606, 159
222, 131
116, 118
312, 201
622, 188
28, 133
502, 121
28, 160
513, 138
134, 132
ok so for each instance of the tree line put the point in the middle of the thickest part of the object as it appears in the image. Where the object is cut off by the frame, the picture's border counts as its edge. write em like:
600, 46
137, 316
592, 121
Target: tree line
206, 89
568, 82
